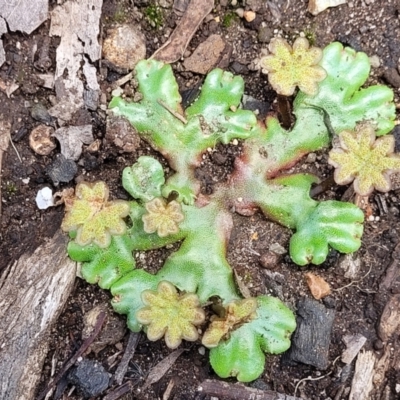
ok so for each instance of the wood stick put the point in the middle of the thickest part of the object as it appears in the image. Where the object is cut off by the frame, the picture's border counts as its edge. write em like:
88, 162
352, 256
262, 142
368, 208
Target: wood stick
85, 345
129, 352
224, 390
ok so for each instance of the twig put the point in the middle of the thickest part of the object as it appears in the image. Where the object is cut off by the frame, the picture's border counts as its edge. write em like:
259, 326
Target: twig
169, 389
129, 352
85, 345
119, 391
236, 391
123, 80
13, 145
171, 111
309, 378
353, 282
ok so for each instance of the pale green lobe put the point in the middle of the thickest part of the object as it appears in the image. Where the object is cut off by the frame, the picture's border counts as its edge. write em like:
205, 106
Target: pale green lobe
242, 356
143, 180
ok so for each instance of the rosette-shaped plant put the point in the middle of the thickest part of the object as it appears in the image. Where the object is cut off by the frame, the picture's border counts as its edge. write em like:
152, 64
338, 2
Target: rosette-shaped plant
92, 216
162, 218
167, 302
364, 159
289, 67
169, 313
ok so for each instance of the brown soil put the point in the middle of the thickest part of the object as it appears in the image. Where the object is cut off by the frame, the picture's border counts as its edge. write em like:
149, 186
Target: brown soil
372, 28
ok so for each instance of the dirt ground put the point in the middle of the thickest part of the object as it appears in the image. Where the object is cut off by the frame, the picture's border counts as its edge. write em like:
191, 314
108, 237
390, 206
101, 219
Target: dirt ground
371, 26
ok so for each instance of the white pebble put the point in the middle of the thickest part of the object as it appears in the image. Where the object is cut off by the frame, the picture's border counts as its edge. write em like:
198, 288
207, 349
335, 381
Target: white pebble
44, 198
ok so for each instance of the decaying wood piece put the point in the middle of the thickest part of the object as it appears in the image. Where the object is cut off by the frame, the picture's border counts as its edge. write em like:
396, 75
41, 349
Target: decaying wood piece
24, 15
3, 29
390, 318
33, 291
224, 390
354, 343
361, 386
78, 25
5, 129
172, 50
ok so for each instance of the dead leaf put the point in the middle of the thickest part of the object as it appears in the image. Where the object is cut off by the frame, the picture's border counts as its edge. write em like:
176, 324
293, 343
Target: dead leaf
24, 15
318, 286
175, 46
8, 87
206, 56
354, 343
78, 25
243, 289
162, 367
72, 138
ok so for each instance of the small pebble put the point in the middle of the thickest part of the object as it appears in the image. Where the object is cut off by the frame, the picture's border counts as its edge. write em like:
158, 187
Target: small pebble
378, 344
375, 61
269, 260
89, 377
41, 141
202, 350
249, 16
44, 198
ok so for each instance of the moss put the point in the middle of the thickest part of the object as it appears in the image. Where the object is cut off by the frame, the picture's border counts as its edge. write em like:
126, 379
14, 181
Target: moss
229, 19
154, 15
11, 188
310, 35
119, 15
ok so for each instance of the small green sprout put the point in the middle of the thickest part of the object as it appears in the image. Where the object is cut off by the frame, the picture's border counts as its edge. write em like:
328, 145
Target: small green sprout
236, 313
162, 218
171, 314
290, 67
364, 159
92, 216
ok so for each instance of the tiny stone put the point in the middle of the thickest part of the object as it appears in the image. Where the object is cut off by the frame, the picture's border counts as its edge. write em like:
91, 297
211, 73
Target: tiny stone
219, 159
44, 198
202, 350
89, 377
371, 218
265, 34
375, 61
311, 158
123, 47
62, 170
392, 77
240, 12
40, 140
378, 344
249, 16
39, 113
269, 260
277, 249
